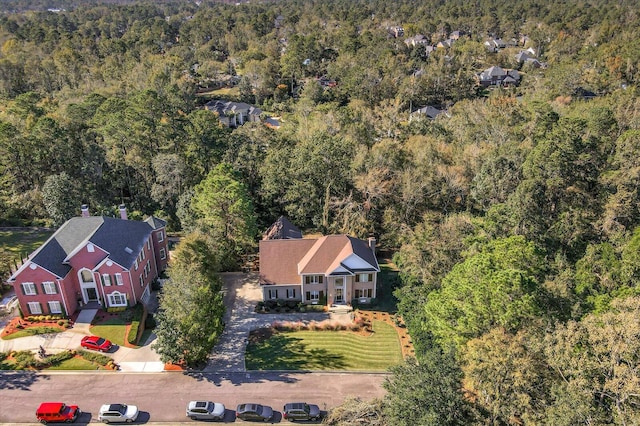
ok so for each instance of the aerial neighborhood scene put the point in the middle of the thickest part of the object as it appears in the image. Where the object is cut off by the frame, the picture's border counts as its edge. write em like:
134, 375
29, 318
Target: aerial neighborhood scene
339, 212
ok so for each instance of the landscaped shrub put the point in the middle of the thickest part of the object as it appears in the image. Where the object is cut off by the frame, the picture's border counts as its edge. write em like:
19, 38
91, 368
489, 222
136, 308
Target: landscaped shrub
24, 360
137, 313
117, 309
55, 359
291, 304
94, 357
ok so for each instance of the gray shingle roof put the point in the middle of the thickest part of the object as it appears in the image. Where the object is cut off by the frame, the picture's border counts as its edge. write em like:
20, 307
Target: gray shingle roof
109, 234
155, 222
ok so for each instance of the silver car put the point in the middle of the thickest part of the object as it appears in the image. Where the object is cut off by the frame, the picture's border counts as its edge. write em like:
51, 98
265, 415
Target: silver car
117, 413
205, 410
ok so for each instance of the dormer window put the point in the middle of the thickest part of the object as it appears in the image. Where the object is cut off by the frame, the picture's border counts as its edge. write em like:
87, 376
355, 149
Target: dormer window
90, 248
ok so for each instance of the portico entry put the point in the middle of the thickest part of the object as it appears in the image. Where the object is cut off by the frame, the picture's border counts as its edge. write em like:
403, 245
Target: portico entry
338, 286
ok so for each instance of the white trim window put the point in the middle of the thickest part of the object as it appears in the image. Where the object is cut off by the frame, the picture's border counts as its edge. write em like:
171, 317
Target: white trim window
291, 293
29, 289
163, 254
135, 264
117, 299
34, 308
313, 279
313, 295
141, 281
363, 292
55, 307
90, 248
160, 236
106, 280
364, 278
149, 244
273, 293
49, 287
119, 280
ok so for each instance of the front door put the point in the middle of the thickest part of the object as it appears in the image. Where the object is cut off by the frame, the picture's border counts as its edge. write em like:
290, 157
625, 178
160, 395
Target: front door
339, 286
92, 294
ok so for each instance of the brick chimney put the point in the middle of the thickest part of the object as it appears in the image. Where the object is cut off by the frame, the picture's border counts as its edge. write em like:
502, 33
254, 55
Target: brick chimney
84, 209
123, 212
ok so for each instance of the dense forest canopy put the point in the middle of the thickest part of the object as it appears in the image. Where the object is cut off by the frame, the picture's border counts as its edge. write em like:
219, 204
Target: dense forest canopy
514, 215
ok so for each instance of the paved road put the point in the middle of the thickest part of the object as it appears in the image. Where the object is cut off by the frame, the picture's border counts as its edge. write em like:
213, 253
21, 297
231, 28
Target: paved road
162, 397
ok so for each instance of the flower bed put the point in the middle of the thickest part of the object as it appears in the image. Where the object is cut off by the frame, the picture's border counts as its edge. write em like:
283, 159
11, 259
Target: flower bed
37, 324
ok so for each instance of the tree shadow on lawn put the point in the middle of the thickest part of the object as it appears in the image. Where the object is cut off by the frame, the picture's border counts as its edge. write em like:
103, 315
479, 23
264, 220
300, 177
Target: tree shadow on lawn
269, 350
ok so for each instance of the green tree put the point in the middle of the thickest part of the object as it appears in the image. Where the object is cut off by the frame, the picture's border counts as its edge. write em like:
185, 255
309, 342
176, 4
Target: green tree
61, 197
190, 316
224, 210
597, 359
427, 393
495, 287
507, 376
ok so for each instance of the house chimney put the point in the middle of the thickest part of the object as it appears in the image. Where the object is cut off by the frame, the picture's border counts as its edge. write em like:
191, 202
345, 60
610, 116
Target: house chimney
85, 210
372, 244
123, 212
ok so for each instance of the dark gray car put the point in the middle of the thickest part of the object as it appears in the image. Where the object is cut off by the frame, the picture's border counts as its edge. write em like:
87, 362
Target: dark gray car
301, 411
254, 412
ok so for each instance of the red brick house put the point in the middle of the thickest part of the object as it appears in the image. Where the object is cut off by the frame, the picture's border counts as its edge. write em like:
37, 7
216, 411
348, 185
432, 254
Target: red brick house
332, 270
96, 260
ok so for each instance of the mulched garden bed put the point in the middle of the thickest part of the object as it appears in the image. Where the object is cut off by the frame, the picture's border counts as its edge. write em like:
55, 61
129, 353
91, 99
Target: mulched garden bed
18, 324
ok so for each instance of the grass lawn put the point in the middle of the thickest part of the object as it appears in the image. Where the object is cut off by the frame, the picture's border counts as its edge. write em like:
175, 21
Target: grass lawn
23, 240
76, 363
113, 329
32, 332
327, 350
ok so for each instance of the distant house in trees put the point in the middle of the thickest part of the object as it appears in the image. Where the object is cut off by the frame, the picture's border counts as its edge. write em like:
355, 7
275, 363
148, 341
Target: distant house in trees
92, 261
497, 76
427, 111
417, 40
331, 270
456, 35
234, 114
495, 44
396, 31
526, 57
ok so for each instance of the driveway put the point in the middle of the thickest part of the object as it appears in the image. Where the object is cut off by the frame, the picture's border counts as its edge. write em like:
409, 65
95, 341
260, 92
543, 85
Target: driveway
242, 293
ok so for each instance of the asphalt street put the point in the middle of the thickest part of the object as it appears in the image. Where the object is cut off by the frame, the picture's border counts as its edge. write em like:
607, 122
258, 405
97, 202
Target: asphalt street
162, 397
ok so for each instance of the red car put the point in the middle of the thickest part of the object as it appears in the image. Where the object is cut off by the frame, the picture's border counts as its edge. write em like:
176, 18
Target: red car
96, 343
57, 412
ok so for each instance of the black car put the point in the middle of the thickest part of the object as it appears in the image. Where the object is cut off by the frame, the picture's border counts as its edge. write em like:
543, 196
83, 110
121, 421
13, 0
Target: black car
254, 412
301, 411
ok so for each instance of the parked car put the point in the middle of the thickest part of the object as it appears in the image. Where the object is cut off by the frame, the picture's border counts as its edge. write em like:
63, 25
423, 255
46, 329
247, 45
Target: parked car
205, 410
254, 412
96, 343
8, 304
301, 411
118, 413
57, 412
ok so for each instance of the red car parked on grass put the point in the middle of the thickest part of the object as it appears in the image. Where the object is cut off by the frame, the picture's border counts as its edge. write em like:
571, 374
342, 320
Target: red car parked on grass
96, 343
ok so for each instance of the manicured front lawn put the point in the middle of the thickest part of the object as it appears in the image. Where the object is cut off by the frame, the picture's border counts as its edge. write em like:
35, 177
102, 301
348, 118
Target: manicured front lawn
76, 363
114, 329
326, 350
32, 332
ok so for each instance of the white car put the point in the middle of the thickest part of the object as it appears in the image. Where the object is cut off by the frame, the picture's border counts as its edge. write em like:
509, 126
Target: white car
205, 410
8, 304
114, 413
